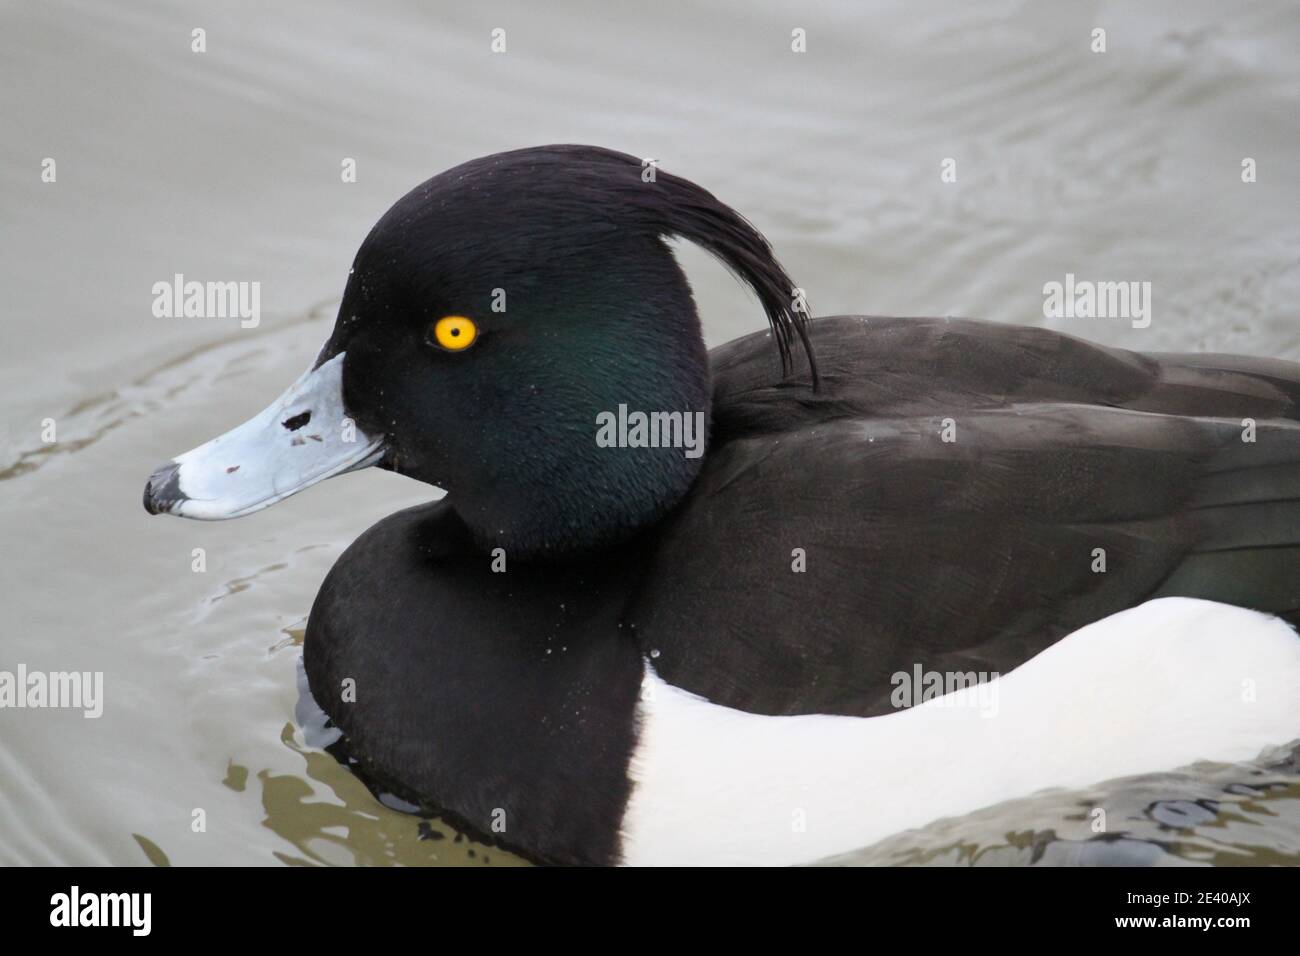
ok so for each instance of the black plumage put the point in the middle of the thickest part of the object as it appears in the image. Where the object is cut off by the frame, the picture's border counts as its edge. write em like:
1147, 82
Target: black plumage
972, 554
938, 492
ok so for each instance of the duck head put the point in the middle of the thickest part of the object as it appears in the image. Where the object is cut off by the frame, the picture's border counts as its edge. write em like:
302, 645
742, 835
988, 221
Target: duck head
494, 319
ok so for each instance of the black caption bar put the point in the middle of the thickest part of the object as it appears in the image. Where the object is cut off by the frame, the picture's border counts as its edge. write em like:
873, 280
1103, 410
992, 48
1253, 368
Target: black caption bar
332, 905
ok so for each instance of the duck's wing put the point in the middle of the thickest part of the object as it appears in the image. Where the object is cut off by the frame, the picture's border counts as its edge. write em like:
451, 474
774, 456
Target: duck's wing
958, 497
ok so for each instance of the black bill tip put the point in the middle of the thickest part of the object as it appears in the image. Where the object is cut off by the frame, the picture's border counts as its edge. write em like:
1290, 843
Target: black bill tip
163, 490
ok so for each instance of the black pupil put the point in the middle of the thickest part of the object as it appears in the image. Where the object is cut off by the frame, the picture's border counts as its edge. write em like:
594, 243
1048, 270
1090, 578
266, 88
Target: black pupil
455, 330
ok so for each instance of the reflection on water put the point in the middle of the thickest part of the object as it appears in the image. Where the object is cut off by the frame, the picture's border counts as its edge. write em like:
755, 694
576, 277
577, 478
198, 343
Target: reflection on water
1226, 815
351, 827
326, 816
369, 827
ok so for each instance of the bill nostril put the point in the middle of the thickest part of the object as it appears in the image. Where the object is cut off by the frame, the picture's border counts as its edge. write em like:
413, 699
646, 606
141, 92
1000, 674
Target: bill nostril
297, 421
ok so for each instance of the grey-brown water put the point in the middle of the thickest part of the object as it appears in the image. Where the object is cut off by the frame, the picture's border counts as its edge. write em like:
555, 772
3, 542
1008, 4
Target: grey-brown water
225, 165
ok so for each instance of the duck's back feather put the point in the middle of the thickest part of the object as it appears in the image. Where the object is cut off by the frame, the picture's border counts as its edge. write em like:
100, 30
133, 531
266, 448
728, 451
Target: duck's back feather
960, 496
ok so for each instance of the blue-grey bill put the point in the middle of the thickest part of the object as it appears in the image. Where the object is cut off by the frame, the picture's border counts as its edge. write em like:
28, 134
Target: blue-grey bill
302, 438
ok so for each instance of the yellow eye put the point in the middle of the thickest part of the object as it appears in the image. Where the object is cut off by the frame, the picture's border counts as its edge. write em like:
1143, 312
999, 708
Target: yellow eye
455, 333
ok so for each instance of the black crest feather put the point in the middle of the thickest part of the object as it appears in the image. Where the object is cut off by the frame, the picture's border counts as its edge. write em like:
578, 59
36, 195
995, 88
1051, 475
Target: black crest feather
595, 182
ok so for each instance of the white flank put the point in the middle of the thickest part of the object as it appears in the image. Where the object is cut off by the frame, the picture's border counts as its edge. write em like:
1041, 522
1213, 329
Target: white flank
1153, 688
